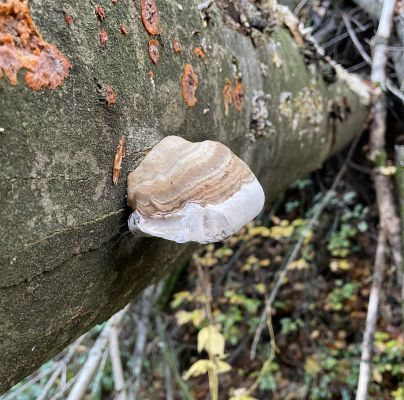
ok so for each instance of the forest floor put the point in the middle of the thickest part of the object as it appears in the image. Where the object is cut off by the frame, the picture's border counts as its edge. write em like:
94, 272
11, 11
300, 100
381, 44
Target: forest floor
243, 319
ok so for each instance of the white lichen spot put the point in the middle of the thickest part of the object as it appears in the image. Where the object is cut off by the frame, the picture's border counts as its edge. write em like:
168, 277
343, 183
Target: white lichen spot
260, 125
309, 104
285, 104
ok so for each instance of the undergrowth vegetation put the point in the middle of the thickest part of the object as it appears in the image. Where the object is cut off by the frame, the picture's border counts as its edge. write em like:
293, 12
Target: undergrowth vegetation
202, 333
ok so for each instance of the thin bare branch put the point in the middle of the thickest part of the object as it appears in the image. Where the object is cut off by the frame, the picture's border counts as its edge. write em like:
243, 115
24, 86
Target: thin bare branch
94, 358
35, 378
61, 365
97, 380
355, 40
117, 371
169, 357
371, 319
389, 222
142, 328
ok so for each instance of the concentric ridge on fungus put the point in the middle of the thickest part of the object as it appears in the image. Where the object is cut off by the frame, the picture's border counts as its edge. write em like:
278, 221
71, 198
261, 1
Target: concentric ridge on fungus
185, 191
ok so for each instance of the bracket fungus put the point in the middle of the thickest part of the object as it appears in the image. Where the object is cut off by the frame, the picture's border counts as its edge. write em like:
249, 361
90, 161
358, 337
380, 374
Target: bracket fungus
192, 192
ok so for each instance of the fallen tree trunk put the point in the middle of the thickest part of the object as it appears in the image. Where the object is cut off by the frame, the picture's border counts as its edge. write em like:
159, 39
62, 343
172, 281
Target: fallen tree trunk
67, 261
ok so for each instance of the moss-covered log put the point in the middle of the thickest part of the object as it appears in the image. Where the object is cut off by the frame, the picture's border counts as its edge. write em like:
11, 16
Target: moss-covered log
66, 259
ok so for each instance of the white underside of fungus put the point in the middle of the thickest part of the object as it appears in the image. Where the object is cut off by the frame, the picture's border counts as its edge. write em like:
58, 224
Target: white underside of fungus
199, 192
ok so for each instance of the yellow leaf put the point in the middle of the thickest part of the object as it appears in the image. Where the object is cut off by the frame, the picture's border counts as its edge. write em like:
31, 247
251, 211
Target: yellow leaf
260, 287
377, 376
312, 365
222, 367
340, 265
223, 252
198, 317
315, 334
195, 316
298, 264
389, 170
246, 267
279, 232
260, 231
180, 297
208, 261
265, 263
183, 317
299, 222
202, 298
241, 394
252, 260
199, 367
210, 247
210, 339
308, 236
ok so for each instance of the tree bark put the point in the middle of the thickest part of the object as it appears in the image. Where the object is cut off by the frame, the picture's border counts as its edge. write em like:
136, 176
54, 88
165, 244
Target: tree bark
67, 261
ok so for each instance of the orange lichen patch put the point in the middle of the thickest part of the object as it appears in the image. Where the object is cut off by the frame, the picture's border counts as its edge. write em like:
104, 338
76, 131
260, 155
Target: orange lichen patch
103, 36
22, 46
177, 46
154, 51
238, 95
119, 155
123, 29
100, 13
189, 84
68, 19
149, 16
50, 70
110, 96
198, 51
227, 96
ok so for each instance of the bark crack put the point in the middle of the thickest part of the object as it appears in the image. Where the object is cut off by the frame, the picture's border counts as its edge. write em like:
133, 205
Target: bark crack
45, 178
62, 231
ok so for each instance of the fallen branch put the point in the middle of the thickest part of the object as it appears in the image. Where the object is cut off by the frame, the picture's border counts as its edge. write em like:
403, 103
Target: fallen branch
97, 380
371, 318
117, 371
389, 222
61, 365
142, 327
399, 150
94, 357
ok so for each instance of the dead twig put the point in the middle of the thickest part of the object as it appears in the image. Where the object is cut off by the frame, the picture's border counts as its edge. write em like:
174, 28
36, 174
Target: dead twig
371, 319
37, 377
97, 380
389, 222
142, 328
61, 365
117, 371
355, 40
94, 357
399, 151
170, 359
